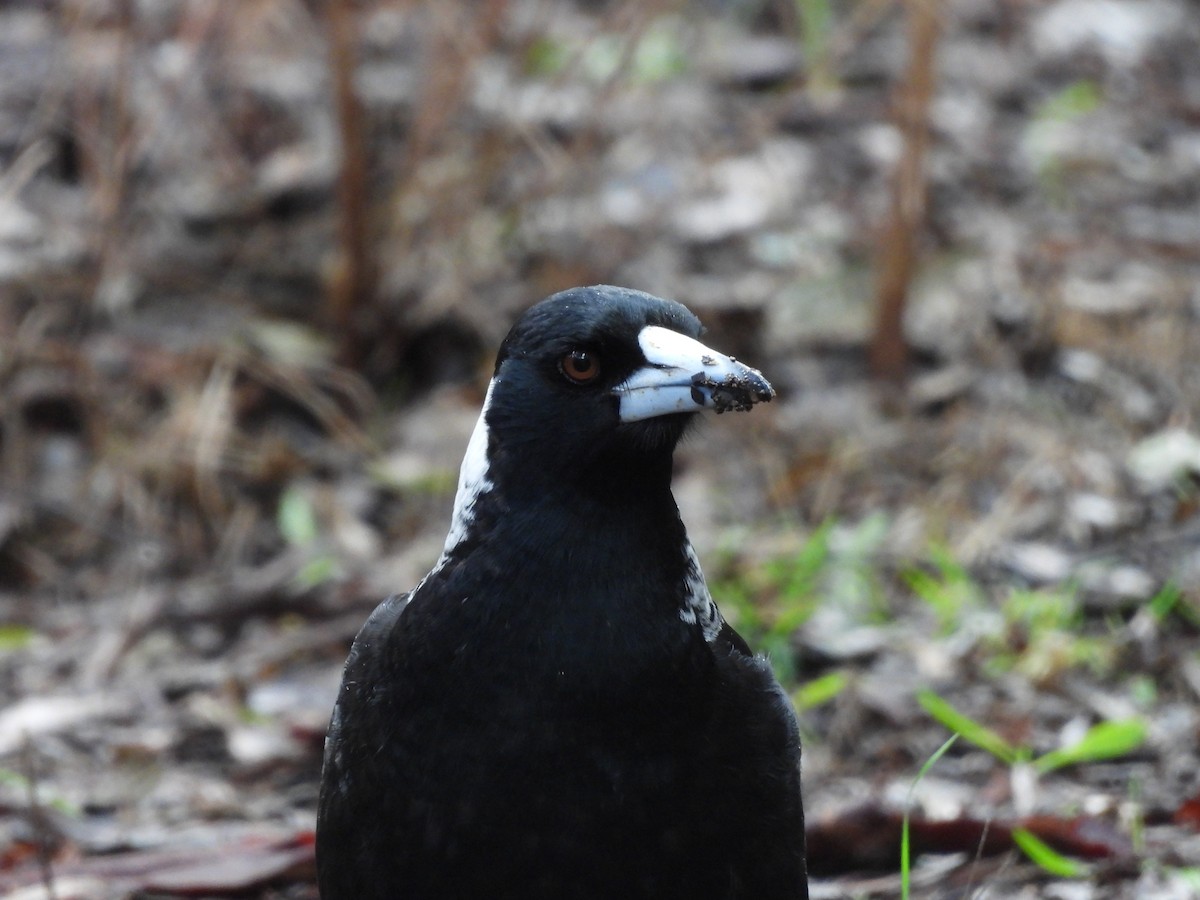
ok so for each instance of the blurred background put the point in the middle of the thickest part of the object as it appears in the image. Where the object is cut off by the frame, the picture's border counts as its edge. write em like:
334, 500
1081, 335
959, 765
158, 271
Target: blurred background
255, 261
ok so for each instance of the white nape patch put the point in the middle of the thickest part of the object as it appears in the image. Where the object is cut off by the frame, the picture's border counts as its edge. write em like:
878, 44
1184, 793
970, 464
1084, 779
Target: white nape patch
698, 605
473, 481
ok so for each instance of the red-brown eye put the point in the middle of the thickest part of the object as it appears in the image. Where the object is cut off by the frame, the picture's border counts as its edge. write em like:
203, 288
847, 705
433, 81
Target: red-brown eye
580, 366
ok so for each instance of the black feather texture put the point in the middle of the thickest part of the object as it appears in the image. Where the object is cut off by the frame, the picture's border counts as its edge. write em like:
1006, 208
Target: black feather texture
557, 710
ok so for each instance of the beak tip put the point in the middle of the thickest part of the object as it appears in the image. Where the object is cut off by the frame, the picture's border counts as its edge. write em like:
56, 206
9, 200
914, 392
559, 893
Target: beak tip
737, 393
681, 375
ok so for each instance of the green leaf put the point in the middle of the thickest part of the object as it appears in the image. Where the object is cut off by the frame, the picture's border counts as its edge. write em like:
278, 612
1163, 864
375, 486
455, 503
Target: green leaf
1143, 691
655, 55
603, 57
1076, 99
1104, 740
1189, 876
1170, 600
820, 690
949, 589
1046, 857
1162, 603
290, 343
19, 782
15, 637
546, 57
852, 580
802, 576
296, 518
816, 20
979, 735
316, 572
816, 34
659, 54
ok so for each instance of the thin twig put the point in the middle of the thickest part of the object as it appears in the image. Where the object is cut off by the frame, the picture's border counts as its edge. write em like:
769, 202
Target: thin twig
354, 281
38, 819
906, 214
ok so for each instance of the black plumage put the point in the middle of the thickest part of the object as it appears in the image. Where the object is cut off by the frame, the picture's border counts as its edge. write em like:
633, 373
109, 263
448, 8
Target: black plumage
558, 710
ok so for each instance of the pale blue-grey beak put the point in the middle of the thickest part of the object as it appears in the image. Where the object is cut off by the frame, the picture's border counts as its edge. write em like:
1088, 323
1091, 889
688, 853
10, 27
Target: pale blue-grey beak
682, 375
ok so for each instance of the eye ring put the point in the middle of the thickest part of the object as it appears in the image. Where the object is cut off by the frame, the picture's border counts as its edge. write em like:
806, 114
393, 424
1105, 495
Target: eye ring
580, 366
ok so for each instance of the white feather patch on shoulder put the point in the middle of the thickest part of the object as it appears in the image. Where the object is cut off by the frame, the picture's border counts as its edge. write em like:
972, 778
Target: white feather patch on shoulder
698, 605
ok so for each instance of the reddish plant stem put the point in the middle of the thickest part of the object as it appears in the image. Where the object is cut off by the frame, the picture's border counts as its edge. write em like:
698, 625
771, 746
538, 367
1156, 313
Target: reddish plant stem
889, 352
353, 282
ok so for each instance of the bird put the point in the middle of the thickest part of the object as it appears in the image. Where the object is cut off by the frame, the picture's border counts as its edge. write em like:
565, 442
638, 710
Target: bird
558, 709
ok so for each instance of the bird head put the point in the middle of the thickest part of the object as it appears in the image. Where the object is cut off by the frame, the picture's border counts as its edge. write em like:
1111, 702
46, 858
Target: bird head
593, 388
605, 375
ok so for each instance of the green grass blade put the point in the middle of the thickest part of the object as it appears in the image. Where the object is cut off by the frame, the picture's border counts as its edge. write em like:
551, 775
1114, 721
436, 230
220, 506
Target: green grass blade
905, 856
1046, 857
979, 735
819, 691
15, 637
1104, 740
296, 518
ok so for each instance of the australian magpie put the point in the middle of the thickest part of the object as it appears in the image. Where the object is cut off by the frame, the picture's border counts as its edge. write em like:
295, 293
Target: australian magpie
558, 709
